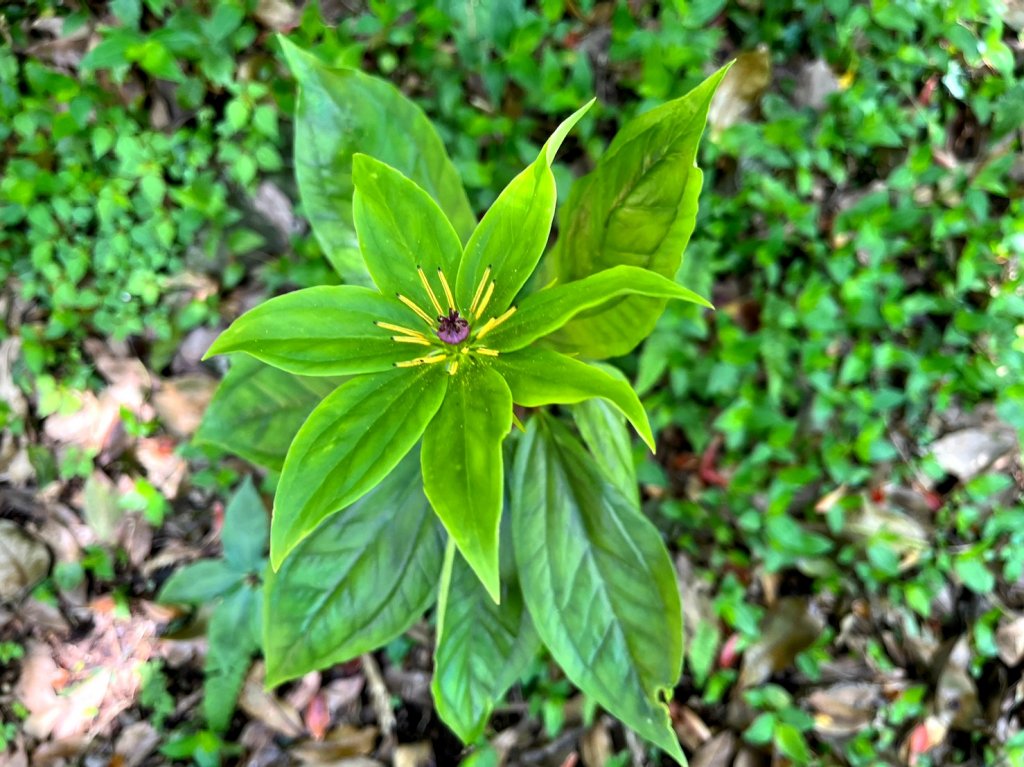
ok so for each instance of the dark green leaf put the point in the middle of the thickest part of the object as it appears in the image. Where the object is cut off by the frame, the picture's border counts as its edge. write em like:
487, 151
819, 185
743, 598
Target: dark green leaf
340, 112
257, 410
322, 331
246, 527
401, 228
482, 647
349, 443
597, 580
541, 313
638, 208
230, 655
463, 474
514, 232
361, 579
539, 377
199, 582
606, 435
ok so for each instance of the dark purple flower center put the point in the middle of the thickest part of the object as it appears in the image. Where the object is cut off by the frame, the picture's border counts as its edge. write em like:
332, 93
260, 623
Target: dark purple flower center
452, 329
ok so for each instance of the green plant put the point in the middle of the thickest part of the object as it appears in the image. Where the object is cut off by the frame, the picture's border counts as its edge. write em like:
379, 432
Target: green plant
441, 332
233, 584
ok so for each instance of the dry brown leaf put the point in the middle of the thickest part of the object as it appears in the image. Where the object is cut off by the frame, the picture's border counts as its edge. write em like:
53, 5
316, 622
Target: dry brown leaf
413, 755
180, 402
741, 89
786, 630
278, 15
342, 742
717, 752
135, 743
100, 506
24, 560
165, 469
318, 718
690, 728
1010, 640
843, 709
596, 745
815, 84
968, 452
267, 707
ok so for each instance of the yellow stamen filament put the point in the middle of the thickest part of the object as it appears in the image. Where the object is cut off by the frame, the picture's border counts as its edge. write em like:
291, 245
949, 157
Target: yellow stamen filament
447, 290
486, 352
492, 323
428, 360
422, 314
430, 290
410, 340
480, 290
400, 329
486, 300
453, 367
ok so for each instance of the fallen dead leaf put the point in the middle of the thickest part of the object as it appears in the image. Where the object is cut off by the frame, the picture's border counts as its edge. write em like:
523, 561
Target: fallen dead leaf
690, 728
277, 15
100, 506
596, 745
165, 469
968, 452
180, 402
135, 743
413, 755
1010, 640
786, 630
717, 752
266, 707
741, 89
815, 83
844, 709
342, 742
318, 717
24, 560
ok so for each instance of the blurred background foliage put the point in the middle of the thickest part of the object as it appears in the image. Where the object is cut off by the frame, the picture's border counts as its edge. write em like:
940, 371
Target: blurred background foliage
860, 231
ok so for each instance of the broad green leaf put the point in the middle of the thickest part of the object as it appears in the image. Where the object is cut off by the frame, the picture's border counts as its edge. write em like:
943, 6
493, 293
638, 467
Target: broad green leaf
514, 232
540, 376
463, 474
541, 313
401, 228
348, 444
246, 527
482, 647
343, 111
322, 331
637, 208
597, 580
361, 579
606, 435
257, 410
229, 656
200, 582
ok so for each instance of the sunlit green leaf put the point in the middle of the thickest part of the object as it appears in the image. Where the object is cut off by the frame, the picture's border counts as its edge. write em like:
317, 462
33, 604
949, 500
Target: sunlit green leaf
514, 232
541, 313
361, 579
540, 376
349, 443
401, 228
597, 580
323, 331
257, 410
637, 208
343, 111
482, 647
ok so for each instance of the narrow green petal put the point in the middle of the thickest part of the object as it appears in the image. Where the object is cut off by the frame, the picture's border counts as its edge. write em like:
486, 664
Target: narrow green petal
463, 473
